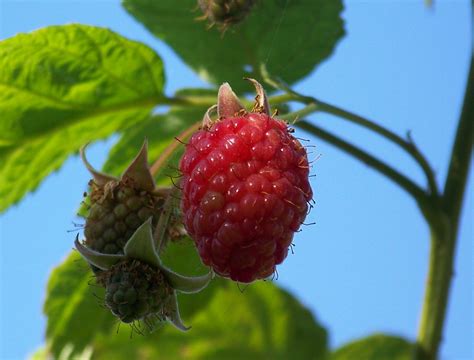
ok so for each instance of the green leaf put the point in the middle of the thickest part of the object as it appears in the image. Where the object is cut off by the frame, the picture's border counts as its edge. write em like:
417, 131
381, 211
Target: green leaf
290, 37
260, 322
40, 354
270, 323
73, 307
62, 86
376, 347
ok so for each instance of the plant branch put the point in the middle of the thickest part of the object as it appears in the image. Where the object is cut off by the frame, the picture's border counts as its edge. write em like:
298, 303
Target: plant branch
376, 164
294, 116
461, 154
208, 101
407, 145
189, 100
444, 232
313, 104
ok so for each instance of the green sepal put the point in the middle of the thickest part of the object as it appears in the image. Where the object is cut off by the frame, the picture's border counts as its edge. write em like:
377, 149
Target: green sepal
186, 284
141, 245
100, 178
102, 261
175, 317
139, 171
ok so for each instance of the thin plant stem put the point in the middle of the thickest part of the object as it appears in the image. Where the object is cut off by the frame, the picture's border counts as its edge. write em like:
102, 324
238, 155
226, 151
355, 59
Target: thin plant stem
189, 100
408, 145
370, 160
313, 105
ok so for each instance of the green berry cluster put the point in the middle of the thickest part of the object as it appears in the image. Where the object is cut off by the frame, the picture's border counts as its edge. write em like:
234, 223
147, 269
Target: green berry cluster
116, 212
129, 221
134, 290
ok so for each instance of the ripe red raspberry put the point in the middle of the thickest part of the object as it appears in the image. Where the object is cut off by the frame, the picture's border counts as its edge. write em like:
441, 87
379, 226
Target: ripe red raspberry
245, 189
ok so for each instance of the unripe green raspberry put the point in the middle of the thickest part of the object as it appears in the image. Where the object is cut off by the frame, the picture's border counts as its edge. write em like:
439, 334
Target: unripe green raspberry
118, 206
136, 290
116, 211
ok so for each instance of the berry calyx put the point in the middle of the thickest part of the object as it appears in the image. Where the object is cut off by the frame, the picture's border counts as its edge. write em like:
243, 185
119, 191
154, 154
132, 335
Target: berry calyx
245, 188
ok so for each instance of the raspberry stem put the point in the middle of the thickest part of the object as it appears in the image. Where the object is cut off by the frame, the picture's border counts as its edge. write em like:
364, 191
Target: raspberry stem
162, 226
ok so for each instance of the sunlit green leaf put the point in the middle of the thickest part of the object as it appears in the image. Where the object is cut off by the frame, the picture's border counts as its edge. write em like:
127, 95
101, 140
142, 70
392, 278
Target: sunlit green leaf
62, 86
290, 37
376, 347
40, 354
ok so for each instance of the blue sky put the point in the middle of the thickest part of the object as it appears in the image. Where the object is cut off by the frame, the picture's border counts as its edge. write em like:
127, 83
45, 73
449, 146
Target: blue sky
361, 267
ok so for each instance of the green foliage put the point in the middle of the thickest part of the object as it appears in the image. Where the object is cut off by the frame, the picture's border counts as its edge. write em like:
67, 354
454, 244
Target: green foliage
63, 86
161, 131
182, 257
290, 37
376, 347
269, 321
72, 306
40, 354
262, 322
